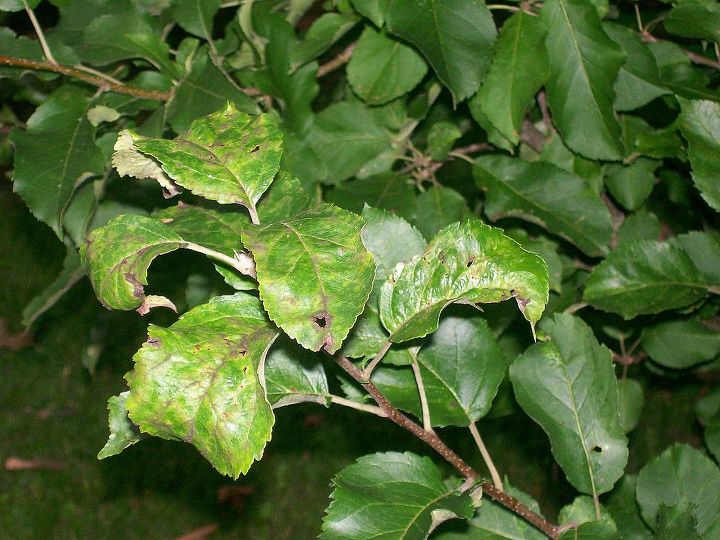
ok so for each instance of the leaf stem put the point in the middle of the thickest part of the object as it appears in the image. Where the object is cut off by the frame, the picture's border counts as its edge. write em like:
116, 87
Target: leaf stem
492, 7
337, 62
367, 372
242, 262
38, 31
372, 409
432, 440
487, 458
86, 77
427, 422
253, 215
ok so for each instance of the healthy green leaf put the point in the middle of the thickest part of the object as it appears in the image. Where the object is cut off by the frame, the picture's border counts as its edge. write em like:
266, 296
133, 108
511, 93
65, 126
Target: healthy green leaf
325, 31
18, 47
441, 138
592, 530
584, 63
382, 69
712, 436
678, 74
202, 90
228, 156
625, 511
314, 274
676, 522
392, 495
375, 10
117, 256
703, 248
455, 36
466, 262
568, 386
631, 399
694, 19
642, 225
542, 193
681, 475
200, 381
644, 277
389, 191
582, 510
58, 131
438, 207
632, 184
293, 375
518, 70
700, 125
123, 433
681, 344
196, 16
547, 249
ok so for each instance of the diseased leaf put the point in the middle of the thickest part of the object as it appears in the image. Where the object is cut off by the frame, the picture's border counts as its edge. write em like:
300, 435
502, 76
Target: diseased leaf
293, 375
199, 381
314, 274
117, 256
456, 37
203, 90
681, 475
542, 193
584, 63
700, 125
681, 344
393, 496
123, 433
518, 70
228, 156
568, 386
285, 198
466, 262
60, 132
644, 277
382, 69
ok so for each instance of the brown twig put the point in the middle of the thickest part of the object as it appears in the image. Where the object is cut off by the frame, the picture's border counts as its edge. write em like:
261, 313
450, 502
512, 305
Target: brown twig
86, 77
432, 440
647, 37
337, 62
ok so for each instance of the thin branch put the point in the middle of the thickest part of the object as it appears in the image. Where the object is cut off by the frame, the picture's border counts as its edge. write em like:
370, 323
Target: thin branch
367, 372
487, 458
372, 409
432, 440
86, 77
647, 37
242, 262
427, 422
39, 32
337, 62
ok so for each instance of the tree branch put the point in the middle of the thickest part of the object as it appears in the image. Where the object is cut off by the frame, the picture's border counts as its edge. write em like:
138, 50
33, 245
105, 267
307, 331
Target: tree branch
432, 440
86, 77
337, 62
647, 37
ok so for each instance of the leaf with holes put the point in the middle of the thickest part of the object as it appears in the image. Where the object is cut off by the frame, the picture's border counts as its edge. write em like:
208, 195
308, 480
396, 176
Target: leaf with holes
314, 274
568, 386
391, 495
228, 156
466, 262
199, 381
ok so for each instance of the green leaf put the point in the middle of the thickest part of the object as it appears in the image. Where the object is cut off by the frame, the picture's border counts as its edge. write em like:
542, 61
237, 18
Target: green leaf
631, 399
704, 250
712, 436
542, 193
325, 31
18, 47
71, 273
375, 10
681, 344
625, 511
123, 433
293, 375
441, 138
463, 359
455, 36
382, 69
638, 81
200, 381
201, 91
584, 63
676, 522
16, 5
117, 257
389, 191
518, 70
568, 386
642, 225
58, 131
694, 19
582, 510
438, 207
592, 530
700, 125
466, 262
547, 249
678, 74
228, 156
392, 496
644, 277
632, 184
314, 274
285, 198
681, 475
196, 16
493, 521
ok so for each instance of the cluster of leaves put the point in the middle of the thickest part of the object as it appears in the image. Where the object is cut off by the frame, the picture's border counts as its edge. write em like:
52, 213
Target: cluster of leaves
344, 214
